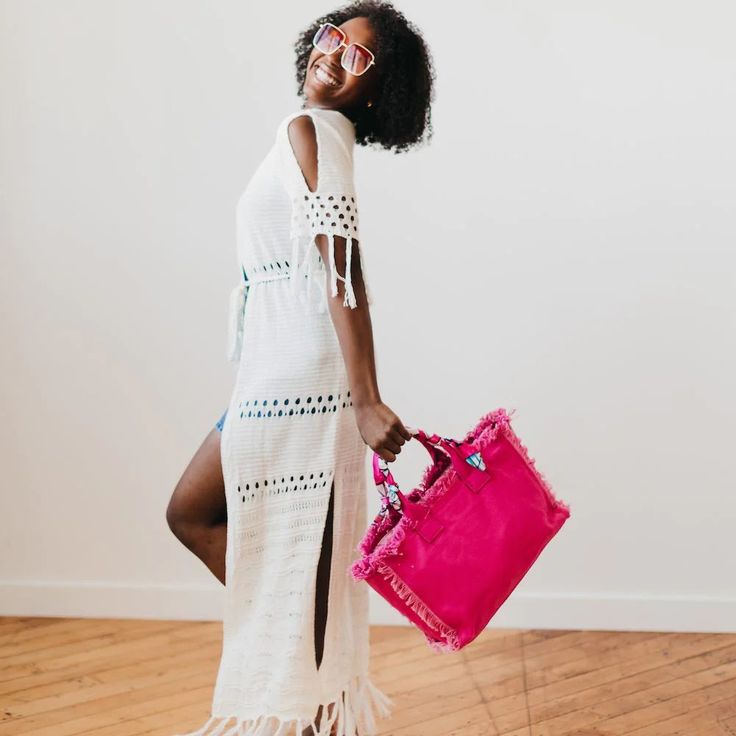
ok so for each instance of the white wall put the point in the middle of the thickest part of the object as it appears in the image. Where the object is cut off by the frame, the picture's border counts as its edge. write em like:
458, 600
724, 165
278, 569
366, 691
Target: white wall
569, 233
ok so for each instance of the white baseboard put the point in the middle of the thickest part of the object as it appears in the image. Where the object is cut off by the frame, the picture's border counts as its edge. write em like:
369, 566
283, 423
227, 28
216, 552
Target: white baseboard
605, 612
522, 610
100, 599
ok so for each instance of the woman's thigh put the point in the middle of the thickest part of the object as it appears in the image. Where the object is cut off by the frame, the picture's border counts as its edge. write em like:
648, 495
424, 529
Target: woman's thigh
199, 496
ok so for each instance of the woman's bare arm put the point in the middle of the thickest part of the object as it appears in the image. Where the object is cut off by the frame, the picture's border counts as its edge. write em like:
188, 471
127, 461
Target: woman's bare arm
380, 427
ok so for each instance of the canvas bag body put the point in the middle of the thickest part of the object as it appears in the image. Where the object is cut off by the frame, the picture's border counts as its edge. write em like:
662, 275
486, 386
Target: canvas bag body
448, 554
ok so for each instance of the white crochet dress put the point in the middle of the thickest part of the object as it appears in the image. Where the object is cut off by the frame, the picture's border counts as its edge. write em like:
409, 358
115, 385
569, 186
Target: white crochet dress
289, 432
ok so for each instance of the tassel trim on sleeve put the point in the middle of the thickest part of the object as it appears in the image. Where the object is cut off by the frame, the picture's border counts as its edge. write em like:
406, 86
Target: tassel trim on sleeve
309, 276
330, 214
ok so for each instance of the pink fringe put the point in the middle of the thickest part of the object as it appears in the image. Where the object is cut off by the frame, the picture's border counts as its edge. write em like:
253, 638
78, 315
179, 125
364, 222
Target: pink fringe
377, 531
522, 450
369, 563
419, 607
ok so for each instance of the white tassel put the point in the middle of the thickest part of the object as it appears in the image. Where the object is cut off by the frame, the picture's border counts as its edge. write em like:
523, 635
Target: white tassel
350, 711
203, 731
382, 702
234, 731
235, 322
333, 270
335, 715
358, 702
351, 703
261, 727
349, 299
317, 274
327, 721
307, 269
363, 711
341, 717
307, 264
352, 707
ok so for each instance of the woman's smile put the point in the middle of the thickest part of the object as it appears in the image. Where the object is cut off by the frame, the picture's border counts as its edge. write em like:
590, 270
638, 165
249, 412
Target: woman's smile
323, 75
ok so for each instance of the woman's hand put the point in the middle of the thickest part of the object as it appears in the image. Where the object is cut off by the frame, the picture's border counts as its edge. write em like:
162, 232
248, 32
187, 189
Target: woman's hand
381, 429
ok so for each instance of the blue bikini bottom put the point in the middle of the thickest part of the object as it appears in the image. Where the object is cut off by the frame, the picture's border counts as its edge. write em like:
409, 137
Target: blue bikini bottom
221, 421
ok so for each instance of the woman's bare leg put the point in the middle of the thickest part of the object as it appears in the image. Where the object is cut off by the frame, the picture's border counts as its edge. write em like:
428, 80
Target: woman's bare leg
323, 586
322, 601
323, 581
197, 512
197, 515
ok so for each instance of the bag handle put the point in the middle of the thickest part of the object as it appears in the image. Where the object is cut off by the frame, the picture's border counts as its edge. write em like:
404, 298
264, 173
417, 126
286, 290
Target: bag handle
470, 468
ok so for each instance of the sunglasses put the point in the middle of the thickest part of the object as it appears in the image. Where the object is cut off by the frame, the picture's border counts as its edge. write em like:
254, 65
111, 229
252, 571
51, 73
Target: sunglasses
356, 59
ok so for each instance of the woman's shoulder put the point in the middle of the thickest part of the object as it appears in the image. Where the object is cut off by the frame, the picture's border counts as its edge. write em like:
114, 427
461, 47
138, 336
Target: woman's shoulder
327, 148
326, 121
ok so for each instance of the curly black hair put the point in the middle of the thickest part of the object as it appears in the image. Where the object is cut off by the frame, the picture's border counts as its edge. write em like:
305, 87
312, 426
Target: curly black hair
401, 114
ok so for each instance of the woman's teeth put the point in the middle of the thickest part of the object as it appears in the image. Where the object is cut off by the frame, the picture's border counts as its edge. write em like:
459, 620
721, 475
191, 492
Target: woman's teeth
325, 77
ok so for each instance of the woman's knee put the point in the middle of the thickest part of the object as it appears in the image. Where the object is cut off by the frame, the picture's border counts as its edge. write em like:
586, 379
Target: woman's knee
181, 526
198, 500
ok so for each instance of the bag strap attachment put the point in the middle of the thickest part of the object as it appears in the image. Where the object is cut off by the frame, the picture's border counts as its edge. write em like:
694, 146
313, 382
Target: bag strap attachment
387, 487
471, 469
393, 500
470, 466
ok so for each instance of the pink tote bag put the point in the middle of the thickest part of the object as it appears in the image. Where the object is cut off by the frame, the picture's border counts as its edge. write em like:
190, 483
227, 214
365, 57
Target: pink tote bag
449, 553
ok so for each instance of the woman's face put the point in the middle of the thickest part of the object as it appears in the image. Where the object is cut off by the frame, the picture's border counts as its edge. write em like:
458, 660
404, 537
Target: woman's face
348, 92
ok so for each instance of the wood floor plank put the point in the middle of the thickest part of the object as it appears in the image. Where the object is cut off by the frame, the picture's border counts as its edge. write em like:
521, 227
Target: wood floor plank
92, 697
557, 712
95, 652
12, 624
18, 647
699, 720
472, 721
26, 632
101, 677
432, 700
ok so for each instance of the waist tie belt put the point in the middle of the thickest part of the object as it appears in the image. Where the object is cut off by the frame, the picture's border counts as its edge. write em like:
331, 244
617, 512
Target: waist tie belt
238, 298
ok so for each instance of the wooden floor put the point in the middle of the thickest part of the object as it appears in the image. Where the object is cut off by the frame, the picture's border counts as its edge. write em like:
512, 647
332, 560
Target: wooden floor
64, 677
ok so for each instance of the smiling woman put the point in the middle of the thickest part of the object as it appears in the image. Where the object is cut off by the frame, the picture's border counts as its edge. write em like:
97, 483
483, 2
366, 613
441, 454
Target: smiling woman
341, 71
390, 104
306, 404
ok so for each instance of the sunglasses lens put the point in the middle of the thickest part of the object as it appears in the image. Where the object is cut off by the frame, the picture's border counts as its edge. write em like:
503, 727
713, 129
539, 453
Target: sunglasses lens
356, 59
328, 38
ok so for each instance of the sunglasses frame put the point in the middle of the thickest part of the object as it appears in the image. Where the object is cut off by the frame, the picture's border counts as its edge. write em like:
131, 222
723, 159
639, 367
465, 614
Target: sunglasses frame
347, 46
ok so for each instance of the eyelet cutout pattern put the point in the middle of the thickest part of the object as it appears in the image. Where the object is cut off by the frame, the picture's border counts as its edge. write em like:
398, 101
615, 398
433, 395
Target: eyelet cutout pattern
293, 406
334, 213
270, 267
282, 484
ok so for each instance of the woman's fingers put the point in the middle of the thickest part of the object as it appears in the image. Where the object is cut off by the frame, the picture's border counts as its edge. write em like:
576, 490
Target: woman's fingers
405, 431
397, 438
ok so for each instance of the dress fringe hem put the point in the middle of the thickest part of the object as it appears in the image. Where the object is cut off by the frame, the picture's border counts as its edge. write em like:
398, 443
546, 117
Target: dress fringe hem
354, 715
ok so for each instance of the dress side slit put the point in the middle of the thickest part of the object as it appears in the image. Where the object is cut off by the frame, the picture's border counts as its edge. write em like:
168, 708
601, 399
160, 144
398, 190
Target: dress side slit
323, 582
